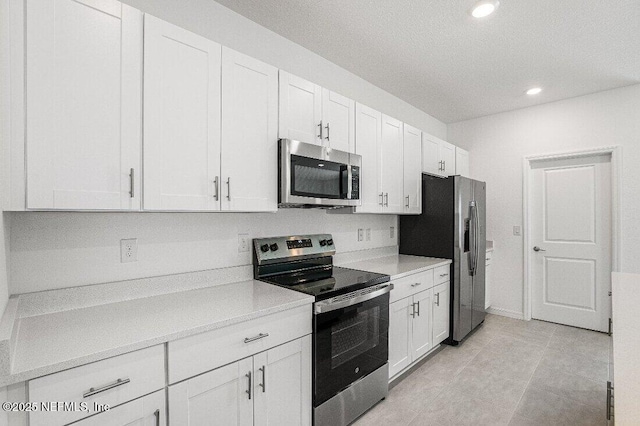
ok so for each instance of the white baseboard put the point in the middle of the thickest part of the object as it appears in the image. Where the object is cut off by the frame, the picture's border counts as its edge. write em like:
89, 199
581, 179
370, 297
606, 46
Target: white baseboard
506, 313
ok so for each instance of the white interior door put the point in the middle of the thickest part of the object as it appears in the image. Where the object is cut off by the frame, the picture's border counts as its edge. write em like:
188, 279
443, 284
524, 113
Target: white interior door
249, 160
181, 119
338, 115
84, 86
300, 109
571, 241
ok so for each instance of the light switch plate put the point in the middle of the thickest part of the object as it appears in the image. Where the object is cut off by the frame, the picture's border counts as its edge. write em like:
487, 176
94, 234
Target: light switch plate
243, 243
517, 230
360, 234
392, 232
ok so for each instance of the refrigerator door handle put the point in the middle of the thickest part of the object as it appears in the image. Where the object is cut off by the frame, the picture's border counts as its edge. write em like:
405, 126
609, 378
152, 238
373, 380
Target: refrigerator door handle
477, 234
473, 255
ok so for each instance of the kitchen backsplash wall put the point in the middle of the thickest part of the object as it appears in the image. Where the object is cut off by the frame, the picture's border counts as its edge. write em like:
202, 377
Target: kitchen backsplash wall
52, 250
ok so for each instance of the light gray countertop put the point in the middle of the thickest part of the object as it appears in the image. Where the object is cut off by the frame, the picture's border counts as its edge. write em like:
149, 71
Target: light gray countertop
397, 266
45, 344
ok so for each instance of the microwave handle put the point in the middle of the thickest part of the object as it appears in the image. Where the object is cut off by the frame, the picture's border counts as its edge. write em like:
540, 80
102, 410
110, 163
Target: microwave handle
349, 181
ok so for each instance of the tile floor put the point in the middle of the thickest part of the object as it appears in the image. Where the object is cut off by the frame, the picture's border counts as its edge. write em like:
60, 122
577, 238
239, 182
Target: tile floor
509, 372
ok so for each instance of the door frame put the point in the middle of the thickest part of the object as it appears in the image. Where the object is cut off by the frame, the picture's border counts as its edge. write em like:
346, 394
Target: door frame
616, 174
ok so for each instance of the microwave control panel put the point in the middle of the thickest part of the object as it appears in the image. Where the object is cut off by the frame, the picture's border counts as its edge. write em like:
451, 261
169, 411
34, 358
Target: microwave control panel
355, 182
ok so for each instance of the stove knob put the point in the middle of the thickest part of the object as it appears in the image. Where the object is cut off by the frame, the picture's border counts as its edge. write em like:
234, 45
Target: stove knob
264, 248
323, 243
274, 247
329, 242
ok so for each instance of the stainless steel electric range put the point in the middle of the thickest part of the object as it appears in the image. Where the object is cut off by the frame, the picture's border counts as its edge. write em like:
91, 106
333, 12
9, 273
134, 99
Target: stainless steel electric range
350, 322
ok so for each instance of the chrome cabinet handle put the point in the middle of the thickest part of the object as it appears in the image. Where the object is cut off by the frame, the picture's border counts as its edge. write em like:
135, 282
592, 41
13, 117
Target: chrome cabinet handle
131, 182
258, 337
93, 391
327, 127
444, 166
248, 375
440, 165
216, 186
416, 284
413, 310
386, 196
229, 188
437, 299
536, 248
407, 201
418, 312
263, 385
609, 401
320, 125
382, 198
157, 416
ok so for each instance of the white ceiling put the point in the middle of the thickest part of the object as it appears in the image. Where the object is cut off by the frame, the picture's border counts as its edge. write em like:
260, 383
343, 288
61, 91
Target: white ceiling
435, 56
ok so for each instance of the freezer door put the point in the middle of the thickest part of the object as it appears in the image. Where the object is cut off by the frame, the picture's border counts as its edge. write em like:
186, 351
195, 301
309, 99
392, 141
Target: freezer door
462, 304
479, 195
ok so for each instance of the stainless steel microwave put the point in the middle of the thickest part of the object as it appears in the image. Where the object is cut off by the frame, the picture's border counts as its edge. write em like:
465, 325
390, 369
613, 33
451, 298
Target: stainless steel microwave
316, 176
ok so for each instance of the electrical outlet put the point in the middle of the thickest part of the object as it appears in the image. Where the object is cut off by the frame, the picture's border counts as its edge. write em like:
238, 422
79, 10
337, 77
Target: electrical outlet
368, 234
243, 243
129, 250
360, 234
517, 231
392, 232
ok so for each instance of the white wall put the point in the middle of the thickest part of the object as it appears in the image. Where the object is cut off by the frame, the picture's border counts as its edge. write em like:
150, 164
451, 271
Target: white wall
216, 22
498, 143
4, 133
55, 250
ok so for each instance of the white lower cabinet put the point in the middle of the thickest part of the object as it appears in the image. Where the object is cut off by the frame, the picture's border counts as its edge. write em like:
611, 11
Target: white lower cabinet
270, 388
146, 411
418, 321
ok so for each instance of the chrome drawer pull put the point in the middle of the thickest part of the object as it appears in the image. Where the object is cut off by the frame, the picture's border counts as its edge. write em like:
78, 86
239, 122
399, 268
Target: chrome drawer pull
443, 275
156, 414
416, 284
258, 337
263, 385
248, 375
93, 391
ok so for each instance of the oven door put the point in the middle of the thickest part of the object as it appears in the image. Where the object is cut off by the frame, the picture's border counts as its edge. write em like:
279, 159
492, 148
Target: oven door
350, 340
315, 175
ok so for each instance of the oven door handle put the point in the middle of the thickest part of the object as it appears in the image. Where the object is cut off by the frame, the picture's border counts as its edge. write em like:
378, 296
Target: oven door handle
332, 304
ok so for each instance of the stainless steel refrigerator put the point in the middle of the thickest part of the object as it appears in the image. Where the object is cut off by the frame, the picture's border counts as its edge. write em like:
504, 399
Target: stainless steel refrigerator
452, 226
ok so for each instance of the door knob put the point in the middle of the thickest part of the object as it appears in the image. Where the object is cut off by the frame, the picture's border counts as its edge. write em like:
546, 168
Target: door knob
536, 248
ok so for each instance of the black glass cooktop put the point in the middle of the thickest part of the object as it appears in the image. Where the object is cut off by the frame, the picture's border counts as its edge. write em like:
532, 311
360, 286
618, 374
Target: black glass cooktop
328, 282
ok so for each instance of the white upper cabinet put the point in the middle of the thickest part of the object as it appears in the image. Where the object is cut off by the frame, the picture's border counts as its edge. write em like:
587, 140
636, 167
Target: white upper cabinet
338, 117
438, 156
391, 165
412, 170
249, 133
83, 105
311, 114
300, 109
462, 162
181, 119
368, 133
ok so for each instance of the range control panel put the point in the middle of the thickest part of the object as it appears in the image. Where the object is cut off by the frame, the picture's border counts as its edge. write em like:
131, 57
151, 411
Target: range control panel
281, 249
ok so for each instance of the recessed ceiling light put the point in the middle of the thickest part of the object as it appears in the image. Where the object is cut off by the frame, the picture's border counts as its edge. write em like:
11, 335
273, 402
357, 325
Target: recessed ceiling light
534, 91
484, 8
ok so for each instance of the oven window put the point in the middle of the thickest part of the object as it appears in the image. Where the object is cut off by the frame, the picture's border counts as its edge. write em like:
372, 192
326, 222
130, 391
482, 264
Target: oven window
354, 336
317, 178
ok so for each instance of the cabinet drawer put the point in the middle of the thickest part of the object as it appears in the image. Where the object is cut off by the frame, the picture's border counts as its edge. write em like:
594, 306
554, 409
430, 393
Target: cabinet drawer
410, 285
141, 372
488, 258
149, 410
442, 274
197, 354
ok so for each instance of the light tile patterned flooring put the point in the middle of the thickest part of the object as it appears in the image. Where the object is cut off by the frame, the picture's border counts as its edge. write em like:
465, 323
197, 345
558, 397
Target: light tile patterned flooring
509, 372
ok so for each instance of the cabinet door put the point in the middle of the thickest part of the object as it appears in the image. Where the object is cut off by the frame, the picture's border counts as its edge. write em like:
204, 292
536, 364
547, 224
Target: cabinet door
300, 109
368, 131
338, 117
412, 170
422, 325
448, 158
249, 133
399, 330
462, 162
146, 411
84, 85
181, 119
391, 165
282, 385
441, 294
431, 155
223, 396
